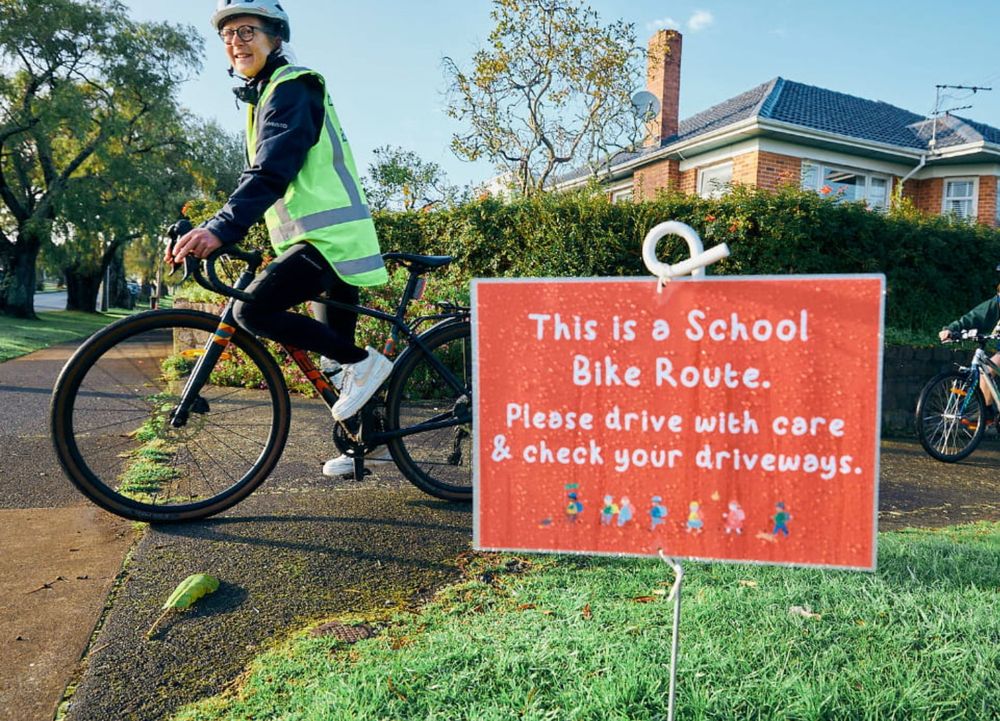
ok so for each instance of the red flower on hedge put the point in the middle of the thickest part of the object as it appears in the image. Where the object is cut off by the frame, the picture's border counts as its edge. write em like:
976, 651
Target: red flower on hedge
709, 218
826, 190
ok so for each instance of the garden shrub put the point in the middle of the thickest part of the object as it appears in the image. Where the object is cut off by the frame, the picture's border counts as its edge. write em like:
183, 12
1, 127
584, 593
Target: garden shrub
936, 267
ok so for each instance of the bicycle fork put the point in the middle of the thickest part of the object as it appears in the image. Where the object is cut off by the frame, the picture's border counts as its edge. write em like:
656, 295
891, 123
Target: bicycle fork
217, 343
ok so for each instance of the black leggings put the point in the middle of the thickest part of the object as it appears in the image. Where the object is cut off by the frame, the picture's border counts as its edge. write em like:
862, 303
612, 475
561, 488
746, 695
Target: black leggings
297, 275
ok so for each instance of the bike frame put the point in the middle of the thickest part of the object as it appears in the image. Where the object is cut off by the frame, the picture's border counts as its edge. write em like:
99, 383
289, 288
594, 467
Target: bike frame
982, 364
219, 341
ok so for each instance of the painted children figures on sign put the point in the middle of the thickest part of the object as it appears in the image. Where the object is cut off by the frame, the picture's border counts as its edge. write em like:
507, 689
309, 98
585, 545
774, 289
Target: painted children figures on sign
734, 517
574, 508
626, 512
657, 513
695, 520
781, 519
608, 510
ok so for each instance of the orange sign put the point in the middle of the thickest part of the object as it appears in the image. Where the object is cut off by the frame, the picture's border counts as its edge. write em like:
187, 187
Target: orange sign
730, 419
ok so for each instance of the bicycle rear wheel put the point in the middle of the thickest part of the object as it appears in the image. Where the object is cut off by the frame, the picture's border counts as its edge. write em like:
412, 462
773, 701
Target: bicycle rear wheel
111, 411
437, 460
951, 416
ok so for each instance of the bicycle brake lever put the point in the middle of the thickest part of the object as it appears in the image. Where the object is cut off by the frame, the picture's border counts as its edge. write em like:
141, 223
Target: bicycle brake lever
174, 233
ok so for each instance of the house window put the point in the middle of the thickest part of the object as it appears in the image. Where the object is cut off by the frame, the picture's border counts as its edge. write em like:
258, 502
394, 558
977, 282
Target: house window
715, 182
845, 184
960, 198
622, 196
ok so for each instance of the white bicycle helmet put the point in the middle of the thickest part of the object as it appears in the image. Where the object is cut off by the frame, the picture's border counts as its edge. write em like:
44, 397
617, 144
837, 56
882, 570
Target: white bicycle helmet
269, 9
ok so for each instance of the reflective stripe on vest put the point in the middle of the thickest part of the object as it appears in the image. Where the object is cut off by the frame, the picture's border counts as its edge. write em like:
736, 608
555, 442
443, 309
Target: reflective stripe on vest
348, 258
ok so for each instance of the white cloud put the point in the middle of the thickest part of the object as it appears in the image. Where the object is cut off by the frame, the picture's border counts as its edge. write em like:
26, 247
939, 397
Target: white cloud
662, 24
700, 20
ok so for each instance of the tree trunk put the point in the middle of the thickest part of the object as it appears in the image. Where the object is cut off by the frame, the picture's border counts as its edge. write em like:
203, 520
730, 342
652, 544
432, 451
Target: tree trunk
17, 286
120, 297
81, 290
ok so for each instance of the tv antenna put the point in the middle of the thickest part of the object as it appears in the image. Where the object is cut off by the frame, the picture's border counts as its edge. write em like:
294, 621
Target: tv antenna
937, 106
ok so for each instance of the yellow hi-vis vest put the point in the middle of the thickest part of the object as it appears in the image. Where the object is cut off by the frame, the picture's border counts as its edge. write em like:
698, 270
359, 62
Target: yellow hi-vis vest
325, 204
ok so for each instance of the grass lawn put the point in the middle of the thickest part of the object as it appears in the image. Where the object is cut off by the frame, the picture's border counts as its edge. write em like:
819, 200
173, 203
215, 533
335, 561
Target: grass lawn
19, 337
541, 637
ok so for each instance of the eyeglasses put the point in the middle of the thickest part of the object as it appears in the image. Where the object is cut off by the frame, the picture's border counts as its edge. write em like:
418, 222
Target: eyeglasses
245, 32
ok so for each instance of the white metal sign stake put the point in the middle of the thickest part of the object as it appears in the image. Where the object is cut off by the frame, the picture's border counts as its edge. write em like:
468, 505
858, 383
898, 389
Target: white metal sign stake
695, 266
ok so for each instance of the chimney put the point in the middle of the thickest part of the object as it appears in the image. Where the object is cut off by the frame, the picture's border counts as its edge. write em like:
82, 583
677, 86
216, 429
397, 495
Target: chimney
663, 79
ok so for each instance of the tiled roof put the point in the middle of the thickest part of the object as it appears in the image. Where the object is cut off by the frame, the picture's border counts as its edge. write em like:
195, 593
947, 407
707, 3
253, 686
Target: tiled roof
808, 106
743, 106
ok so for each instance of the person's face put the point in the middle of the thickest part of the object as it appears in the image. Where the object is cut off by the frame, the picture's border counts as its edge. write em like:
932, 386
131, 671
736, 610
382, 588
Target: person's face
248, 56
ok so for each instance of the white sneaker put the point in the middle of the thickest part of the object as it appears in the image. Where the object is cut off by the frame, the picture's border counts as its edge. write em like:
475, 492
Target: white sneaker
361, 380
344, 465
333, 371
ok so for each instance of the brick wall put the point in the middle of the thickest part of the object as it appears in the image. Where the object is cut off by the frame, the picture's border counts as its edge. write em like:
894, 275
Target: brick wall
745, 169
650, 178
988, 200
925, 194
688, 182
774, 170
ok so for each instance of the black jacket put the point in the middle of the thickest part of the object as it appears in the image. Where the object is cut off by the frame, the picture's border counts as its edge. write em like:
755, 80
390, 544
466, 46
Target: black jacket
984, 318
289, 126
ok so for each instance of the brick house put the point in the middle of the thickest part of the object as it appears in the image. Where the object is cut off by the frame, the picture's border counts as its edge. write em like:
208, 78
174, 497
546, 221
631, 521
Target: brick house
784, 132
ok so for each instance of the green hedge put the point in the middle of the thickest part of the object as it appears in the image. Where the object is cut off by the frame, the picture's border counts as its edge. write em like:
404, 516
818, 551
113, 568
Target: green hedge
936, 268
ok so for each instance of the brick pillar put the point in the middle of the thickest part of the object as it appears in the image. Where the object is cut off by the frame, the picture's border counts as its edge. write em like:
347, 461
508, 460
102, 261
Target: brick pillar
988, 200
663, 79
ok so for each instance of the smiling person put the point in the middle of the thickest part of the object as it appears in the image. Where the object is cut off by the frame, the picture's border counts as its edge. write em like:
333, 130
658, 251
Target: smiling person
301, 178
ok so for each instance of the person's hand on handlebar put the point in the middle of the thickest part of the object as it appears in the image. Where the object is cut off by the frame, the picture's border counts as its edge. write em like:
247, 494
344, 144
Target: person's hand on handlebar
199, 243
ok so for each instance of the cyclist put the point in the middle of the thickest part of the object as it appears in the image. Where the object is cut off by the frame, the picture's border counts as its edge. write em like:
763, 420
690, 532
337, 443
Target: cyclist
985, 318
301, 178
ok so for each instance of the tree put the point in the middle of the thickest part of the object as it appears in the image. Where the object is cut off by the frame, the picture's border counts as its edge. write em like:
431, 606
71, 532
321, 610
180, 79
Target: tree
400, 180
77, 76
551, 89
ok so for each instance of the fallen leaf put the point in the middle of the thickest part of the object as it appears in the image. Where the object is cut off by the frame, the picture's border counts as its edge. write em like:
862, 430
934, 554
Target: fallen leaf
748, 583
187, 592
644, 599
587, 613
191, 589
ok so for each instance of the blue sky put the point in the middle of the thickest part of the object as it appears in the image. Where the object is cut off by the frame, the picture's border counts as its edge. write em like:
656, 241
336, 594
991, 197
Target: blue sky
382, 58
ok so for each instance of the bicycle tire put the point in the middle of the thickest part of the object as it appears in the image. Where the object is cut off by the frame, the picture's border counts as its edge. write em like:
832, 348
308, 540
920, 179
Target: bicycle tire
110, 418
437, 461
950, 424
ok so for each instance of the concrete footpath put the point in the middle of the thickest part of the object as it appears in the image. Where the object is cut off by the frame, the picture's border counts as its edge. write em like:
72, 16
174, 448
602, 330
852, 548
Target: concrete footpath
60, 555
301, 548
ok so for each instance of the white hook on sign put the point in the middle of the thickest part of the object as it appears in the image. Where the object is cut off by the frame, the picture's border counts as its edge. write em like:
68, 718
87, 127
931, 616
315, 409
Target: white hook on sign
695, 265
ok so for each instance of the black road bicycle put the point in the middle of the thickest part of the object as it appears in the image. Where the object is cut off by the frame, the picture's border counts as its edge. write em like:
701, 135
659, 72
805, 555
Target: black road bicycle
175, 415
951, 415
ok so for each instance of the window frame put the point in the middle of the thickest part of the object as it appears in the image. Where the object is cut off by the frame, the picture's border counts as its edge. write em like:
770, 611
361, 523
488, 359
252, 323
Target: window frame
623, 195
717, 192
973, 197
822, 169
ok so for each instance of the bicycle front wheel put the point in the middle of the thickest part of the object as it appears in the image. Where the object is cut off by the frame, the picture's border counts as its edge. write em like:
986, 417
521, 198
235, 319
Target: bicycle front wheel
433, 406
111, 418
951, 416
